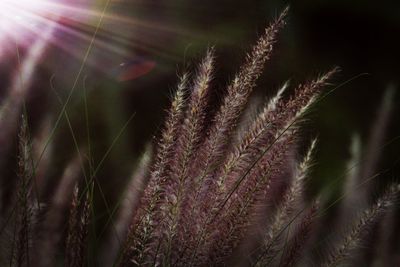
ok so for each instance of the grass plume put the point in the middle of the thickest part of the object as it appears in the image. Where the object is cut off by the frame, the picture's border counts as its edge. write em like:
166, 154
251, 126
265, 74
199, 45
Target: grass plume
199, 197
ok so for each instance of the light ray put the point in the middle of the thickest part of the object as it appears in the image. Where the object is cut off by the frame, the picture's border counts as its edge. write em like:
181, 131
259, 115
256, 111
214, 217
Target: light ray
122, 38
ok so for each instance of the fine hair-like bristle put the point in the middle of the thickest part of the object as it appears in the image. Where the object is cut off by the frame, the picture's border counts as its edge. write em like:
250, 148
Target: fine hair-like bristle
353, 238
23, 228
292, 252
78, 229
144, 219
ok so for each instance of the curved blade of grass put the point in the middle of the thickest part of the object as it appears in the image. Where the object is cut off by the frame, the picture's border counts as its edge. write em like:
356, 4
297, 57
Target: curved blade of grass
74, 85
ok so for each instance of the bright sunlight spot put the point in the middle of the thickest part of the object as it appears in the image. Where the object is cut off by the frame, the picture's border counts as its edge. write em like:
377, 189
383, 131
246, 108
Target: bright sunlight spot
18, 18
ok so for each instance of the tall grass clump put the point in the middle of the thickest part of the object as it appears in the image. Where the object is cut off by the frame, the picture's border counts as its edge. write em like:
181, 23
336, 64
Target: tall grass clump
202, 197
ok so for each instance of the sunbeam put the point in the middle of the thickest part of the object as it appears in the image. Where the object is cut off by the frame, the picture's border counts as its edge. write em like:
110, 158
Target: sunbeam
17, 18
66, 27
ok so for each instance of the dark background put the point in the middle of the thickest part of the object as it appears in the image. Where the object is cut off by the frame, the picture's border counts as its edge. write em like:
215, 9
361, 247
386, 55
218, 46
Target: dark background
361, 37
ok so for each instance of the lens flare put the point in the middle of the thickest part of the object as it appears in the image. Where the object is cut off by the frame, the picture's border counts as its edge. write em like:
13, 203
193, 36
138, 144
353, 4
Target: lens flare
18, 17
66, 28
22, 22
